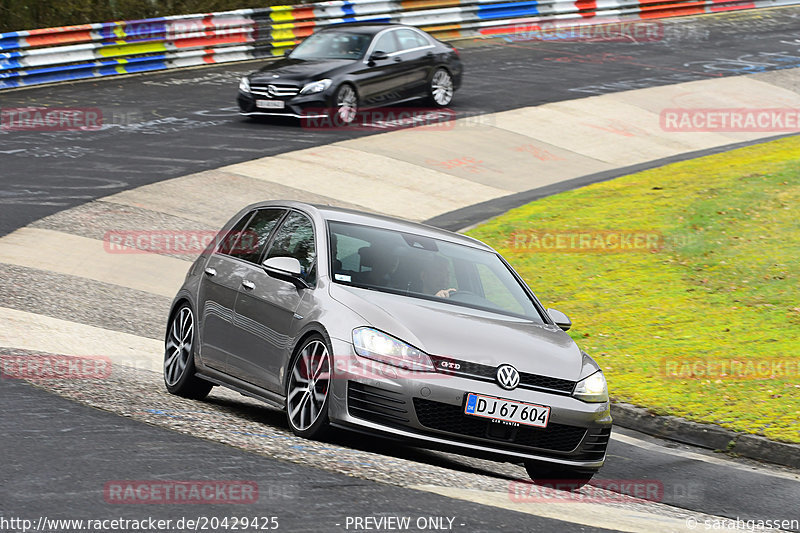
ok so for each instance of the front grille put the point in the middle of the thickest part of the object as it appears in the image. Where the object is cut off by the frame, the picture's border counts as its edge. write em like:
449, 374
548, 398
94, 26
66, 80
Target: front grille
535, 381
375, 404
481, 372
451, 418
278, 91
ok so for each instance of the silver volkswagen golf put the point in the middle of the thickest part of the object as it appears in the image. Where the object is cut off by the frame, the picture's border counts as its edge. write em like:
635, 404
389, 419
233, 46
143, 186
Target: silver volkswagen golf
358, 321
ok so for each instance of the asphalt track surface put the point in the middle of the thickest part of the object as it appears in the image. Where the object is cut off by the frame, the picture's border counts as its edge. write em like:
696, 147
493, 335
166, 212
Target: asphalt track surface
103, 447
172, 124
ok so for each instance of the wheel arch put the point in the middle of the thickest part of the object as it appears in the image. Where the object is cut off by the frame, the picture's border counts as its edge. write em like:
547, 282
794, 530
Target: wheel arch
443, 66
307, 332
346, 81
180, 299
177, 303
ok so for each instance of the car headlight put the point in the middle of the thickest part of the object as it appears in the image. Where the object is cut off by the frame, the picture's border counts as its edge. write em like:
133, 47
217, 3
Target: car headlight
244, 85
315, 86
592, 389
379, 346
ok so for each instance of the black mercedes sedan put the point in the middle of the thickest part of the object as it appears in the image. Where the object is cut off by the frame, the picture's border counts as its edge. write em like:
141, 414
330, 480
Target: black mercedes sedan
344, 68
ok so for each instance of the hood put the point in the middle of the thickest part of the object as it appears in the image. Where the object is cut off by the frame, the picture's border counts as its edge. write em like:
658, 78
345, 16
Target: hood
298, 70
467, 334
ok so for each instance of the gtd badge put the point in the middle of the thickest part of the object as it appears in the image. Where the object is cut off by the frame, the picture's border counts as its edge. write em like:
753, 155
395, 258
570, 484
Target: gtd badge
507, 377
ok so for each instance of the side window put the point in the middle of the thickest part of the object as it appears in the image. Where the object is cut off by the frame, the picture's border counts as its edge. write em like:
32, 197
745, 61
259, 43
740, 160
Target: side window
422, 40
387, 43
410, 39
255, 235
295, 238
227, 245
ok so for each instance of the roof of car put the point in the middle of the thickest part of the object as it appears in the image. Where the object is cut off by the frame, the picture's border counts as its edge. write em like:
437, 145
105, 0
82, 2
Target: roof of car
364, 27
340, 214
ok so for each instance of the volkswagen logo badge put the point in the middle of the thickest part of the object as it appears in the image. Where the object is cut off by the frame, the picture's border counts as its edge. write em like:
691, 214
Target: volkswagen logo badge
507, 377
271, 90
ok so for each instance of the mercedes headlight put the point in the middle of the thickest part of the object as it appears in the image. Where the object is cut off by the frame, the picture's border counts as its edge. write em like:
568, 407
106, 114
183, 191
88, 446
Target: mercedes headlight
315, 86
592, 389
244, 85
379, 346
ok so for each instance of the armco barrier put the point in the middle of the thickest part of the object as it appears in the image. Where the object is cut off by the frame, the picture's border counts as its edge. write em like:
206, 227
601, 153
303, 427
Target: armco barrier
110, 48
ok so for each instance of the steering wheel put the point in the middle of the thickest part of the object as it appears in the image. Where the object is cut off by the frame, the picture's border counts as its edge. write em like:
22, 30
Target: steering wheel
459, 295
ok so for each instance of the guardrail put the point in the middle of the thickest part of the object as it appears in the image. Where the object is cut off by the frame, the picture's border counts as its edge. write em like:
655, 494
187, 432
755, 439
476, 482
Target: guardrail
50, 55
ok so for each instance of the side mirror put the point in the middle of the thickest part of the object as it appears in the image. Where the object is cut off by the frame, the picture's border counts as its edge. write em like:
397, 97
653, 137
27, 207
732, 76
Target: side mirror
286, 268
378, 56
560, 319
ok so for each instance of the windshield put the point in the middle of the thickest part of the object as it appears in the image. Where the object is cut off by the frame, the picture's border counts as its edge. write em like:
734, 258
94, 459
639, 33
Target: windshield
422, 267
332, 45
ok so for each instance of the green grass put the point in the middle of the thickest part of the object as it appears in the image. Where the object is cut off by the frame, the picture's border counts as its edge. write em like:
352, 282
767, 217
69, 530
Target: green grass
724, 287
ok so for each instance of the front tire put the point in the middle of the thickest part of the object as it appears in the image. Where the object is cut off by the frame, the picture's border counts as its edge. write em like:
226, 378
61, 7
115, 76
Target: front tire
308, 389
441, 88
346, 105
558, 477
179, 350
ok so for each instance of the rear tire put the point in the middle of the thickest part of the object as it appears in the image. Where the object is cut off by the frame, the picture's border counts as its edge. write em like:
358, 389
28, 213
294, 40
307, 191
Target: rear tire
441, 89
558, 477
179, 349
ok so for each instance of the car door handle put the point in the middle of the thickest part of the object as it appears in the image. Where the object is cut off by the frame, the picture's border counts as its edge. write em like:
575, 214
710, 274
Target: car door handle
398, 59
211, 271
247, 284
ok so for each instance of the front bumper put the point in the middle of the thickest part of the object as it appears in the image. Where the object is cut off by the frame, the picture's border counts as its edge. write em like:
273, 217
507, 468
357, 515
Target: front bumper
428, 408
301, 106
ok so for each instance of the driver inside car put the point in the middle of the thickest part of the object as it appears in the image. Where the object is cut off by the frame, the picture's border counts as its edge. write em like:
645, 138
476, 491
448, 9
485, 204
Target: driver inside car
435, 277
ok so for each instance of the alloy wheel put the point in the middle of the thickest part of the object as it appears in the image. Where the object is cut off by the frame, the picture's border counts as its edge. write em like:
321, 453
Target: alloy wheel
346, 104
309, 384
442, 87
178, 346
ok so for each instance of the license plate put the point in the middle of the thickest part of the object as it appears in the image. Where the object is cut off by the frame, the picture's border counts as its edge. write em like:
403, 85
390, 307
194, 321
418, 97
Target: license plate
270, 104
502, 410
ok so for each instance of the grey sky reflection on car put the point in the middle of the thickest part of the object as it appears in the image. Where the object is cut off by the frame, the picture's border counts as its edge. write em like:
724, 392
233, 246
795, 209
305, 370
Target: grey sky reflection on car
423, 267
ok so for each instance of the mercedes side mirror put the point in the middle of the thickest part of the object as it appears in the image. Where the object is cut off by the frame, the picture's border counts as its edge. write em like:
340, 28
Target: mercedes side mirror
378, 56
